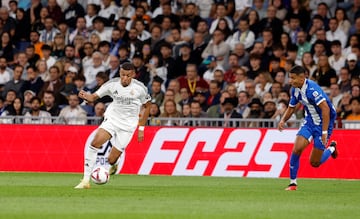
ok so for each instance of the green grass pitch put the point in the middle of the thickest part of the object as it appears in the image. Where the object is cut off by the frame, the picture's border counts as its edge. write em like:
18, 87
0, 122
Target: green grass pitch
51, 195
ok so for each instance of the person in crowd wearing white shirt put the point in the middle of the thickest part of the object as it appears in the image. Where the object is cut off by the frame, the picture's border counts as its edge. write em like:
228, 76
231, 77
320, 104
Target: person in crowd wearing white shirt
244, 35
121, 118
73, 114
48, 34
335, 33
91, 13
220, 13
80, 29
336, 60
126, 10
99, 28
109, 12
91, 71
35, 115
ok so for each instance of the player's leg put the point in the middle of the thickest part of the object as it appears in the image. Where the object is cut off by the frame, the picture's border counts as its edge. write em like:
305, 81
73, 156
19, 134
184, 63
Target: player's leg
113, 159
302, 140
100, 138
121, 140
320, 153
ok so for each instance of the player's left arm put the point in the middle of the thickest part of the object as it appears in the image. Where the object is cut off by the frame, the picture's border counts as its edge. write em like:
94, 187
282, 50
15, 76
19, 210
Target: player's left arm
143, 120
325, 112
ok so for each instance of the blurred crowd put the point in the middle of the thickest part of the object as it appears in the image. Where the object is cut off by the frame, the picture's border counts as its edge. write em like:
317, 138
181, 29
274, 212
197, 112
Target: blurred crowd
198, 58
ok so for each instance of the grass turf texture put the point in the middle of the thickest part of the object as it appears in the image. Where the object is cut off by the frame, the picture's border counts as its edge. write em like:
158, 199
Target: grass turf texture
51, 195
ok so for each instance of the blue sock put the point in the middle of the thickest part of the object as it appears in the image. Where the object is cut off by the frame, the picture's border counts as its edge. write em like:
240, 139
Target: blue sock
294, 165
325, 155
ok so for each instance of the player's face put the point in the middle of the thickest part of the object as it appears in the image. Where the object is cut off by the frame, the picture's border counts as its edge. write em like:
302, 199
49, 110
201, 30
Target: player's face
296, 80
126, 76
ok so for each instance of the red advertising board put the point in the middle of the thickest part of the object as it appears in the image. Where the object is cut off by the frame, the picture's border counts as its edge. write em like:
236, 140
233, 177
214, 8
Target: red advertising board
176, 151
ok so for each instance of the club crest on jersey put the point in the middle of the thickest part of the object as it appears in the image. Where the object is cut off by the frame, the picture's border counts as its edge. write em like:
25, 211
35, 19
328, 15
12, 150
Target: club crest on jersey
115, 92
315, 94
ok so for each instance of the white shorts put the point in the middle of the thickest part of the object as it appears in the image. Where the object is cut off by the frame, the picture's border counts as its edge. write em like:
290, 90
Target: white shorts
120, 138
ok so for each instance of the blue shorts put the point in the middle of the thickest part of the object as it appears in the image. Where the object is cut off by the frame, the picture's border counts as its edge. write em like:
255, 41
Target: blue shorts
311, 131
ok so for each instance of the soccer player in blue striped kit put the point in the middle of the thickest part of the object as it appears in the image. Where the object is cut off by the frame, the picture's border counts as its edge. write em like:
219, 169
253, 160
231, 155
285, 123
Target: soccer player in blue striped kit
318, 123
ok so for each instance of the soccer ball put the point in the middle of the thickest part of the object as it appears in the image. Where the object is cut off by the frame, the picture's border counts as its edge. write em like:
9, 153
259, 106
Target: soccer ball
100, 175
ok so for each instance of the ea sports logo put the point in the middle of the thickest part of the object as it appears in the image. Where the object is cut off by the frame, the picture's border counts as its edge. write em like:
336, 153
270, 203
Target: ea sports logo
103, 153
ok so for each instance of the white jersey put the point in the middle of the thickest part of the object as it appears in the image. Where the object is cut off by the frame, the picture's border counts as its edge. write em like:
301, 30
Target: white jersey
127, 101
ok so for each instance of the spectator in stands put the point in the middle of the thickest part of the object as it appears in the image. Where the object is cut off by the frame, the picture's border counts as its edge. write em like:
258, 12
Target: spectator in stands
49, 104
80, 30
154, 114
182, 60
264, 83
229, 107
91, 12
157, 95
87, 59
5, 74
203, 29
7, 48
99, 29
233, 66
35, 115
344, 80
308, 63
22, 30
15, 109
168, 61
255, 66
196, 49
126, 9
213, 95
215, 110
175, 86
35, 41
28, 95
91, 71
50, 60
243, 35
99, 110
54, 84
170, 111
55, 11
351, 61
355, 114
58, 47
16, 83
355, 90
2, 105
9, 23
73, 114
38, 23
192, 81
212, 65
256, 111
169, 95
243, 55
220, 13
336, 60
196, 113
73, 11
335, 95
250, 88
243, 101
109, 12
48, 33
218, 48
324, 75
34, 81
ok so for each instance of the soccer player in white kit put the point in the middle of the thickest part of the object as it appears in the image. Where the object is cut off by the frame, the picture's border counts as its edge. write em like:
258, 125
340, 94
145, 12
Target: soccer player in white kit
121, 117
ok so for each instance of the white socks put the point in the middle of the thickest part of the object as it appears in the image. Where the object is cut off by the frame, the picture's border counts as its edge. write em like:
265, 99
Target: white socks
90, 160
332, 149
293, 181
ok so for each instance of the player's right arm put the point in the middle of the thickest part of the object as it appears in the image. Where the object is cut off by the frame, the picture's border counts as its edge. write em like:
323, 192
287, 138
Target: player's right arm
288, 113
88, 96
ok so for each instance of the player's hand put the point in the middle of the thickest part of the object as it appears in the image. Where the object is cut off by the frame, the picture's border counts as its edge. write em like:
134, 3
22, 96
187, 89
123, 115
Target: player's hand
324, 139
140, 136
82, 95
281, 126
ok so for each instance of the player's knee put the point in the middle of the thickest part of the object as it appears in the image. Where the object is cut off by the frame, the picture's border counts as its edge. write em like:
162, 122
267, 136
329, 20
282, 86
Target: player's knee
315, 163
96, 144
